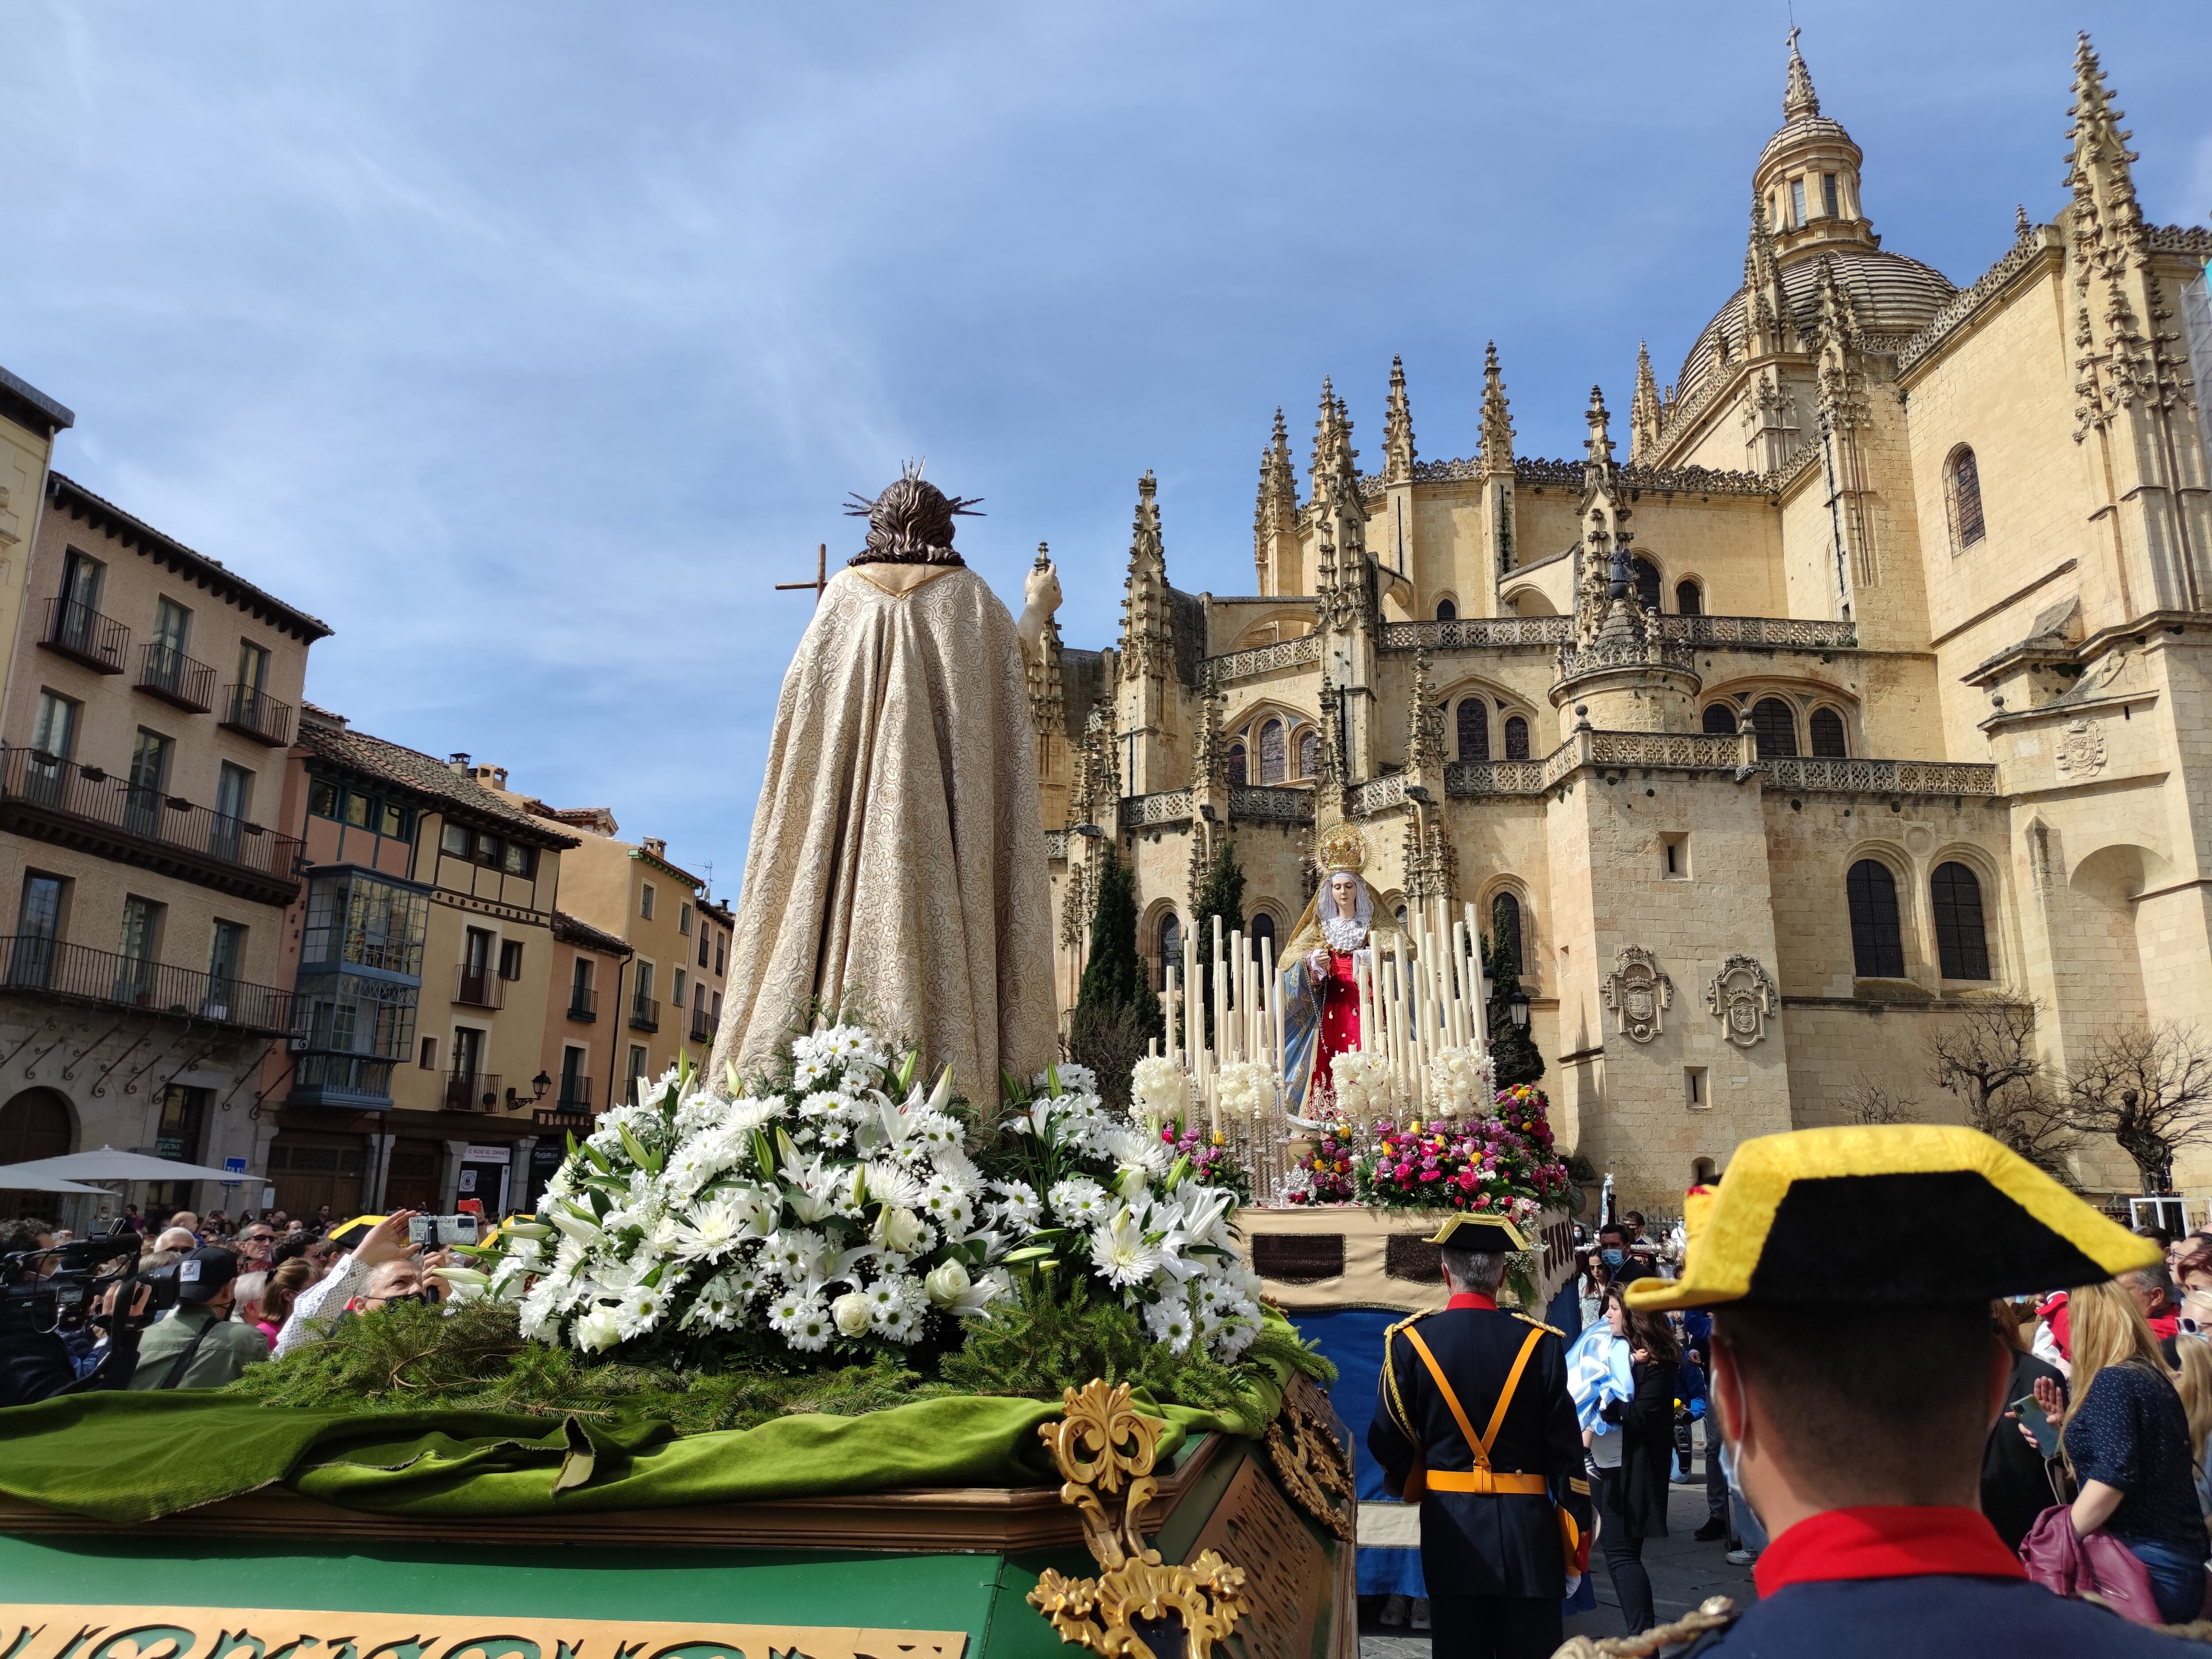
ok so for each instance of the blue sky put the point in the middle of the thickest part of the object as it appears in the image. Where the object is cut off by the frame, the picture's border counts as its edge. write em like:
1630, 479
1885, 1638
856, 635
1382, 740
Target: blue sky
528, 343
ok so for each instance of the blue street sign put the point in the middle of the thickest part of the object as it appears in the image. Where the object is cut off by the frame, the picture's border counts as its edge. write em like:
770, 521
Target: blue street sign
236, 1166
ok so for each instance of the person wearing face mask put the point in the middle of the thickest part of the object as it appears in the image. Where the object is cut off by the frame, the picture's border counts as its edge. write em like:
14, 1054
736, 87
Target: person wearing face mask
1621, 1264
1856, 1377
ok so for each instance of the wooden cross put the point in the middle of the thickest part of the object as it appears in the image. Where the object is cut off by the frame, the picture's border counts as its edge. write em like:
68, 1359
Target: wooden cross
821, 574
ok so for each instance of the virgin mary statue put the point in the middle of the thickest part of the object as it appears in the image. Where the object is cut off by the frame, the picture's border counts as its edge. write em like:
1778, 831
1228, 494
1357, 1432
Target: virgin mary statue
1321, 999
897, 867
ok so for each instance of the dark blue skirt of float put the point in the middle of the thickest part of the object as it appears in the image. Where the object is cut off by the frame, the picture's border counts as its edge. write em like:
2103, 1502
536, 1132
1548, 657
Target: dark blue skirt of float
1352, 1341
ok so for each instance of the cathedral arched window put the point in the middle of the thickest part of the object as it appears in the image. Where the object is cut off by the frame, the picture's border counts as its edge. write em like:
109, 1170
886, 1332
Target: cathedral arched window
1170, 946
1309, 752
1963, 485
1473, 729
1271, 752
1720, 719
1962, 941
1828, 735
1689, 600
1239, 770
1644, 576
1263, 927
1447, 612
1776, 728
1505, 929
1877, 940
1516, 739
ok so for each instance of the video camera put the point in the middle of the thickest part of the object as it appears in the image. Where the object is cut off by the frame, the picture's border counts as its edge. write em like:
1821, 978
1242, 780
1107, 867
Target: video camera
63, 1300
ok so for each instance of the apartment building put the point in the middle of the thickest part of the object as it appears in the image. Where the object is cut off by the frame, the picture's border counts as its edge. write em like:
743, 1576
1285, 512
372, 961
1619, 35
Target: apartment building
150, 705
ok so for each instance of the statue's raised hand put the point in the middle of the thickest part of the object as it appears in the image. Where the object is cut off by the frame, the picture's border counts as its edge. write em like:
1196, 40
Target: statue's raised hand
1041, 598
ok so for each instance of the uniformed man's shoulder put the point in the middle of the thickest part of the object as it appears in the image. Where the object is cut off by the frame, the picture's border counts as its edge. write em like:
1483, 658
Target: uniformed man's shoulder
1410, 1319
1541, 1326
1931, 1616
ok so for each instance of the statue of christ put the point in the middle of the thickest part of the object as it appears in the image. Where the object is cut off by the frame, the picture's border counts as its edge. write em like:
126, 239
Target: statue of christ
897, 864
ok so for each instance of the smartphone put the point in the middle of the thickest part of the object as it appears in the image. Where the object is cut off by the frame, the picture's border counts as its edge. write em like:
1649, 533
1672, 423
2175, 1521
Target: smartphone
2045, 1431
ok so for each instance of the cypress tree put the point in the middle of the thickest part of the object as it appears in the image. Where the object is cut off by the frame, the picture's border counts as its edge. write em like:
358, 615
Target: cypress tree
1113, 977
1514, 1051
1221, 894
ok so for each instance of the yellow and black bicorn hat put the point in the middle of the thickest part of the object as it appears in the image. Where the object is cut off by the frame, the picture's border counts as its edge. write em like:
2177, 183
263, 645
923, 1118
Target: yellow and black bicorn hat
1901, 1215
1484, 1234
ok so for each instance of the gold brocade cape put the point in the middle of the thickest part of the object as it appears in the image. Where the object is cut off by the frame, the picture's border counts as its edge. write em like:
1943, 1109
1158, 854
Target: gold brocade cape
897, 863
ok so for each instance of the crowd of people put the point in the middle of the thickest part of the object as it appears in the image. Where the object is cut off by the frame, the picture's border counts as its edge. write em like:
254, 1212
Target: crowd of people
247, 1289
2109, 1413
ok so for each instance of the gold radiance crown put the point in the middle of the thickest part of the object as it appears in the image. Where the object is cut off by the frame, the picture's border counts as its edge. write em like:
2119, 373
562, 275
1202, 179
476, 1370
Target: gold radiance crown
1342, 848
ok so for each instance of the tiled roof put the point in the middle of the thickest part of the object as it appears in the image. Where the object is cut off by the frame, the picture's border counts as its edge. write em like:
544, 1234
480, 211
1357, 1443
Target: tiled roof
569, 931
410, 769
73, 498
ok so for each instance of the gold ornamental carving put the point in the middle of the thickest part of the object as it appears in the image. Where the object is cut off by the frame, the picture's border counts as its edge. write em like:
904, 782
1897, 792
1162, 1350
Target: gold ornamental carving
228, 1631
1104, 1448
1310, 1461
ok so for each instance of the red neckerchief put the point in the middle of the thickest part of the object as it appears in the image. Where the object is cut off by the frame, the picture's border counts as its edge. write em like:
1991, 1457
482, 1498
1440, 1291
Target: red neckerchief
1473, 1299
1885, 1540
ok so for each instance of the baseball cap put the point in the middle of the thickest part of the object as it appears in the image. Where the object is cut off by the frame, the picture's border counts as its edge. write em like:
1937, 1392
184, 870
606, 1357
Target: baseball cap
202, 1274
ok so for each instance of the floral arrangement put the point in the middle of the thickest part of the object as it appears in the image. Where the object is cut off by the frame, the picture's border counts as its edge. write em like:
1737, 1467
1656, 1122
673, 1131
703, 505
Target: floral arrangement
1158, 1090
1363, 1086
1211, 1162
848, 1213
1326, 1175
1127, 1206
823, 1214
1458, 1079
1502, 1165
1245, 1088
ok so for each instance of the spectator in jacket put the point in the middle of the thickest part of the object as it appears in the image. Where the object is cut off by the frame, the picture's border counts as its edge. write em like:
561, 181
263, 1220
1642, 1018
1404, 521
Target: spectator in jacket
200, 1345
2016, 1485
2127, 1441
319, 1306
1632, 1498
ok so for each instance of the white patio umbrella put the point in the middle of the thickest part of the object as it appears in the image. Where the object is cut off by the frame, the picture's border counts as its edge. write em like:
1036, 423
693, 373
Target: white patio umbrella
110, 1164
49, 1184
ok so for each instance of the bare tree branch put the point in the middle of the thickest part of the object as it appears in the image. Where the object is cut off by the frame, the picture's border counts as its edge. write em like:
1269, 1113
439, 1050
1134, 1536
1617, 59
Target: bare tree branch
1987, 1059
1870, 1103
2150, 1089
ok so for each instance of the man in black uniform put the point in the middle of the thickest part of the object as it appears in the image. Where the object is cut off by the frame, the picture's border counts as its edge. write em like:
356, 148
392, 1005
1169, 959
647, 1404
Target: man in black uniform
1856, 1377
1474, 1406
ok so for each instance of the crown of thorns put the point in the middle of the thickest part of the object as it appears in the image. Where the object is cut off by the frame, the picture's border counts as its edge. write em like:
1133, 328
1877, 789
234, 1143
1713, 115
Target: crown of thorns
912, 515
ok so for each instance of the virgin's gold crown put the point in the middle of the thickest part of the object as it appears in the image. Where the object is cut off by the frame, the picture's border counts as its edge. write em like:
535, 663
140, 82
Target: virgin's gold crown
1342, 848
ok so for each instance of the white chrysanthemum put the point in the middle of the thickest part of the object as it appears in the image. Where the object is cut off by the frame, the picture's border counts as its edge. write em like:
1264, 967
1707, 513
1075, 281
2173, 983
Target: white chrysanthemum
538, 1308
891, 1183
1017, 1203
1171, 1323
641, 1309
796, 1255
946, 1206
1246, 1088
716, 1307
1134, 1151
1121, 1252
1074, 1079
901, 1325
1077, 1202
717, 1227
803, 1321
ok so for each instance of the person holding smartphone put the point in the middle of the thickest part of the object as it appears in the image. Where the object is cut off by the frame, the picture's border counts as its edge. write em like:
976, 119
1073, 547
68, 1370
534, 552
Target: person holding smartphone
318, 1306
2016, 1484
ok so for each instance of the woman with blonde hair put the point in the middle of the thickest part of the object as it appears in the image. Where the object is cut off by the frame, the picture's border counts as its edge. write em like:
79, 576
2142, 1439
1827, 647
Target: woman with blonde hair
2127, 1440
2195, 1384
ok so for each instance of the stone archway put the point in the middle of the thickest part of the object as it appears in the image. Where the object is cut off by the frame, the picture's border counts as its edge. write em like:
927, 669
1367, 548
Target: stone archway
35, 1123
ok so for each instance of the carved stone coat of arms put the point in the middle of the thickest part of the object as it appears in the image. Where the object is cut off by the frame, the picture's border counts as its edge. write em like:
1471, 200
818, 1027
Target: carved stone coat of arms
2079, 751
1639, 994
1742, 995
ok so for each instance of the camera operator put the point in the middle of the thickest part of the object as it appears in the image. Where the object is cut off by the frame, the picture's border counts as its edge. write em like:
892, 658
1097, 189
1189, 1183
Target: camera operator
200, 1345
35, 1362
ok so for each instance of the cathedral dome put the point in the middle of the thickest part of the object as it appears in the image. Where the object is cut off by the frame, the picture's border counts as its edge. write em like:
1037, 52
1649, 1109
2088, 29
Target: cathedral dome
1804, 129
1891, 293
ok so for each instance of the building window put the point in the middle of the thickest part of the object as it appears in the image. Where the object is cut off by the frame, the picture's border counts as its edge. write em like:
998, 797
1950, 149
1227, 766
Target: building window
575, 1081
1720, 719
1505, 929
1517, 737
1447, 612
645, 900
456, 841
1962, 945
1238, 773
683, 920
510, 958
1689, 600
140, 943
359, 920
1263, 927
1828, 195
1271, 752
1170, 946
1309, 752
429, 1061
1963, 481
580, 986
56, 733
676, 989
253, 672
1877, 940
1776, 728
1828, 735
1643, 576
703, 932
1796, 202
722, 951
1473, 721
637, 1064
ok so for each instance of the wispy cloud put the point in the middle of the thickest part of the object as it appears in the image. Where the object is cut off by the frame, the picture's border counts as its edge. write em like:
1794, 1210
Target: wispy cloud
529, 342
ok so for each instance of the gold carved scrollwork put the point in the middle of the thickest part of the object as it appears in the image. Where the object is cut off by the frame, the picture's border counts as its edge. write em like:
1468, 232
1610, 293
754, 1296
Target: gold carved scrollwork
1310, 1463
1102, 1444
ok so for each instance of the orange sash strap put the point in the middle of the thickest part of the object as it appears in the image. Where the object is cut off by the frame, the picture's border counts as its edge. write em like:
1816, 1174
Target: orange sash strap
1480, 1479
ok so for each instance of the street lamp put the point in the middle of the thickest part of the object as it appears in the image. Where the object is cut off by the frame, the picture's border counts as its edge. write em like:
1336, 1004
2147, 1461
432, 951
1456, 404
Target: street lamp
1517, 1006
539, 1085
